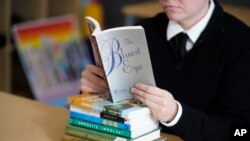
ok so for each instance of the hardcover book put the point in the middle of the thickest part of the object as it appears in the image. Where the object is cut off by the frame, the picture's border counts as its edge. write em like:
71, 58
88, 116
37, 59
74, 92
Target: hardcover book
123, 54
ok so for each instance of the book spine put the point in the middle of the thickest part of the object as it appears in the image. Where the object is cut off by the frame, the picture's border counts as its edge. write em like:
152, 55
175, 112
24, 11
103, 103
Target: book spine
111, 111
112, 117
86, 101
68, 137
122, 108
83, 133
92, 134
78, 101
99, 127
98, 120
86, 105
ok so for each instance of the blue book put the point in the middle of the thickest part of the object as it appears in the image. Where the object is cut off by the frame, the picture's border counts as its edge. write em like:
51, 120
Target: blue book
99, 120
138, 121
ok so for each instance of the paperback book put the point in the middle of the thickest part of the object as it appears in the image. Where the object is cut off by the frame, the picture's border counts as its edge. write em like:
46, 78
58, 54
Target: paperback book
123, 54
97, 102
101, 136
68, 137
124, 126
100, 120
112, 130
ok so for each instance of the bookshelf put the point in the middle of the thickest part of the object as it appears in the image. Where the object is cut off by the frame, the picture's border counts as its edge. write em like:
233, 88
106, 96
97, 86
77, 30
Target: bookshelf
14, 11
5, 59
61, 7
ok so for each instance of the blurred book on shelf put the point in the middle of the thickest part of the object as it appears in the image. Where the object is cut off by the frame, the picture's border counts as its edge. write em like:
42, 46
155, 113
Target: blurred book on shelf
53, 56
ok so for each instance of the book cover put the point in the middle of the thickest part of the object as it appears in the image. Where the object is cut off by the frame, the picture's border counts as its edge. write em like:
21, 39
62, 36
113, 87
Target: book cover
98, 102
111, 130
53, 57
101, 136
123, 54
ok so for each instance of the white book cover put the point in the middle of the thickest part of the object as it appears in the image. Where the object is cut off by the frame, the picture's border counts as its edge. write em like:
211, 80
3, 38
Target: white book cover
125, 58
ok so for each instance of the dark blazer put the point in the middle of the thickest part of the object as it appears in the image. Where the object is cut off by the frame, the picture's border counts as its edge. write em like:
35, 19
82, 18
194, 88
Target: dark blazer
212, 82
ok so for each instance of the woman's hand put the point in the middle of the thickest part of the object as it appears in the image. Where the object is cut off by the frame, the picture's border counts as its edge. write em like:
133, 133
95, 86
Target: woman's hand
93, 80
161, 102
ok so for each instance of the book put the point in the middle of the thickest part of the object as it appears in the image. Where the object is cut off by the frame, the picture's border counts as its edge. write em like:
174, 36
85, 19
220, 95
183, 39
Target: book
53, 57
98, 102
123, 54
112, 117
101, 136
98, 120
98, 114
123, 126
111, 130
67, 137
126, 124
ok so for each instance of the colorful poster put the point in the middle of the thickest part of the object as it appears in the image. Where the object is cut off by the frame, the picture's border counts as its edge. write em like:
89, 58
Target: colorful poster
53, 56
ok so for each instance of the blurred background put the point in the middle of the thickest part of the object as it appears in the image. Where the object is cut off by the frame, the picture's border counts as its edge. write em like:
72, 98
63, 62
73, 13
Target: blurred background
14, 74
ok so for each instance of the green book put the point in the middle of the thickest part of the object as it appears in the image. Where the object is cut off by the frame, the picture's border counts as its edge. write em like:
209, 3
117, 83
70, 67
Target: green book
68, 137
111, 130
89, 134
99, 127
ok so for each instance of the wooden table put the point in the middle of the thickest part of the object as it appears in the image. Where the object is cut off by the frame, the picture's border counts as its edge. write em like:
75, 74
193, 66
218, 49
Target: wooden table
23, 119
149, 9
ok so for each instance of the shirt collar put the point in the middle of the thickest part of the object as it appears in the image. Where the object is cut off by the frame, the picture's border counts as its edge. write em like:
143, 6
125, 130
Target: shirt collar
194, 32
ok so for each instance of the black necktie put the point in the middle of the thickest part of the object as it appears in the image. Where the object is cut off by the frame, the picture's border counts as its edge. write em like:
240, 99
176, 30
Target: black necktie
179, 44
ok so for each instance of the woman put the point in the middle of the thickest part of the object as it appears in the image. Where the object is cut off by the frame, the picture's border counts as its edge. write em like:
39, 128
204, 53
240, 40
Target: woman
200, 95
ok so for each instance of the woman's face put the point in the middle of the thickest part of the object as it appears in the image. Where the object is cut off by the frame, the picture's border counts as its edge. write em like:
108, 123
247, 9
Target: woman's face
185, 11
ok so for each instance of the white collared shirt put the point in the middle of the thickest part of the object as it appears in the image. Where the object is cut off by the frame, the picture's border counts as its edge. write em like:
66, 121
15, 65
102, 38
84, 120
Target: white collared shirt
193, 33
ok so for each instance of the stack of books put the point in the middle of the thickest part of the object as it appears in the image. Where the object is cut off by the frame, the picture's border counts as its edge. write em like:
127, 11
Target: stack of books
123, 54
95, 117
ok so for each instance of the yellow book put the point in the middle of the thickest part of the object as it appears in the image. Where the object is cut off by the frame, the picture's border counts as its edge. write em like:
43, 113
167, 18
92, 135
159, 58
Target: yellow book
87, 101
101, 103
